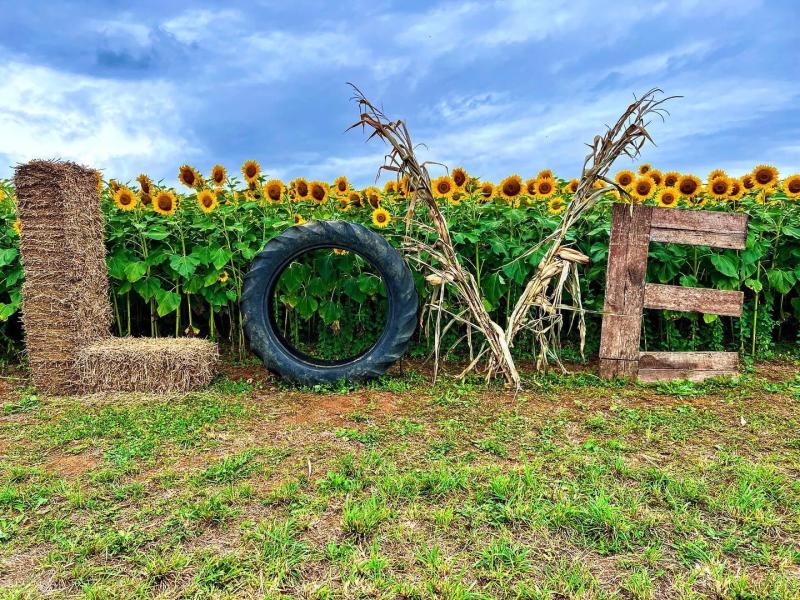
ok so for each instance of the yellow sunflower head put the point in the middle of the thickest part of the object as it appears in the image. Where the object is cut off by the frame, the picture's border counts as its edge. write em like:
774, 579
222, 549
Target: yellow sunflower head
736, 189
318, 191
765, 176
341, 185
545, 174
656, 176
443, 187
511, 188
689, 185
145, 185
354, 198
125, 199
207, 201
530, 187
223, 277
99, 182
373, 196
556, 206
791, 186
545, 187
716, 173
218, 175
572, 186
298, 219
460, 177
189, 176
642, 188
113, 185
670, 179
17, 227
485, 191
344, 203
381, 217
403, 186
748, 183
273, 190
145, 199
697, 200
667, 197
719, 187
300, 188
165, 202
644, 168
456, 198
251, 170
624, 178
390, 187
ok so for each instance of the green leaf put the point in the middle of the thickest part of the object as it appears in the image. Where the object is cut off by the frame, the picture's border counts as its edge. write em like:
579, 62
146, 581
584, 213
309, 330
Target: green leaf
754, 284
781, 281
134, 271
183, 265
710, 318
330, 311
726, 264
220, 257
167, 302
306, 307
147, 288
7, 256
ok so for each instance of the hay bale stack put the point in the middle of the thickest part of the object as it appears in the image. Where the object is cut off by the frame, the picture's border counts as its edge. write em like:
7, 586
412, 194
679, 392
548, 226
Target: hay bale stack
147, 364
65, 303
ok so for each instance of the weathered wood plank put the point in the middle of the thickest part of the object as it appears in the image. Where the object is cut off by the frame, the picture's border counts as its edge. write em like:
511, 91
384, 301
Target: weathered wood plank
651, 375
610, 368
699, 220
734, 241
694, 361
624, 301
702, 300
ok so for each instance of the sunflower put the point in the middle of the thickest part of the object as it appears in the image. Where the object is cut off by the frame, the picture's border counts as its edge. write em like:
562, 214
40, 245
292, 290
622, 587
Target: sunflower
113, 185
460, 177
765, 176
572, 186
298, 219
145, 185
125, 199
251, 170
644, 168
145, 199
218, 175
188, 176
545, 174
17, 227
381, 217
642, 188
344, 203
697, 200
223, 277
443, 187
689, 185
736, 189
402, 186
624, 178
99, 176
748, 183
165, 202
485, 191
670, 179
373, 196
545, 187
341, 185
318, 191
530, 187
511, 188
556, 206
390, 187
300, 187
716, 173
719, 188
667, 197
791, 186
656, 176
207, 200
354, 198
273, 190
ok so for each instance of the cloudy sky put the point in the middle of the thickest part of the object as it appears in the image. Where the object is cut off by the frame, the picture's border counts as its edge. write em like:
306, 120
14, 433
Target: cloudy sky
497, 87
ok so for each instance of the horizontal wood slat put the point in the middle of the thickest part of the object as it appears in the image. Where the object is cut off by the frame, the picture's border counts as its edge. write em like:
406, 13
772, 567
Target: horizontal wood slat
694, 366
702, 300
699, 228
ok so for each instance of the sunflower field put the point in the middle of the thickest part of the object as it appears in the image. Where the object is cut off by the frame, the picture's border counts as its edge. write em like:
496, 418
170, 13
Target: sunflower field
177, 258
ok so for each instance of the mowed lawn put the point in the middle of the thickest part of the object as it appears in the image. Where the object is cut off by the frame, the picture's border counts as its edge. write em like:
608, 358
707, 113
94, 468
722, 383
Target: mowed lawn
575, 488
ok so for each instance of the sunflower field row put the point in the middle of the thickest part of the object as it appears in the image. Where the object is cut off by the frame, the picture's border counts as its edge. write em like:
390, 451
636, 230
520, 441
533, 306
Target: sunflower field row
177, 257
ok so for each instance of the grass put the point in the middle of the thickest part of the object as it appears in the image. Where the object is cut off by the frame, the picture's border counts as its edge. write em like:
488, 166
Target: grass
577, 488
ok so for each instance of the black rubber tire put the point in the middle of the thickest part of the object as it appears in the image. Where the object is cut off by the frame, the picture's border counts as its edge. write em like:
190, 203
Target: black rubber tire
263, 335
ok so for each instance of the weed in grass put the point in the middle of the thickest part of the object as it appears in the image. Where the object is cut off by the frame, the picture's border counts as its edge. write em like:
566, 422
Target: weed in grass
404, 427
367, 437
27, 402
231, 468
504, 555
492, 446
640, 584
363, 517
226, 572
281, 553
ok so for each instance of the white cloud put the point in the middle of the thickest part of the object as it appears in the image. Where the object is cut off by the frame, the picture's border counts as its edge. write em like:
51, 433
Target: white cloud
107, 124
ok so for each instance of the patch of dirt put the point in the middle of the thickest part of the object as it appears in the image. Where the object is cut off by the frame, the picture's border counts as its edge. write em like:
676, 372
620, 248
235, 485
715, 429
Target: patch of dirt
308, 409
69, 466
250, 373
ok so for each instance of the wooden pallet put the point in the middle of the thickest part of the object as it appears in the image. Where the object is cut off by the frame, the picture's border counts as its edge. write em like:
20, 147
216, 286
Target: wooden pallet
627, 293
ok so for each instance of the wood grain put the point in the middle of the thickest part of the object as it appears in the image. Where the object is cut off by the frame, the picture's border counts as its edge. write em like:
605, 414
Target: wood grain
702, 300
735, 241
702, 361
699, 228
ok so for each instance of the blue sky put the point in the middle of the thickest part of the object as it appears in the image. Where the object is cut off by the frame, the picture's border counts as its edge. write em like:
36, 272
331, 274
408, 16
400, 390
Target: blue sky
496, 87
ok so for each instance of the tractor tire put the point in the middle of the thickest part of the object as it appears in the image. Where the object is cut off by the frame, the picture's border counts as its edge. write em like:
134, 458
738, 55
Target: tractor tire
264, 336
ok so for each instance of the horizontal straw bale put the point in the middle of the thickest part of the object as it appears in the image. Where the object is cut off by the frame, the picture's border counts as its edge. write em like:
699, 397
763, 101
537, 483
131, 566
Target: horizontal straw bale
147, 364
65, 302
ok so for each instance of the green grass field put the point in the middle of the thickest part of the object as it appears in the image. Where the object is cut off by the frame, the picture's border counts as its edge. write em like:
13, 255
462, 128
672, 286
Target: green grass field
576, 488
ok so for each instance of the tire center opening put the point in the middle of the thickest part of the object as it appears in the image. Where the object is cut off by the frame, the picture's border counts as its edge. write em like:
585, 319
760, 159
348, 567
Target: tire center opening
328, 306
